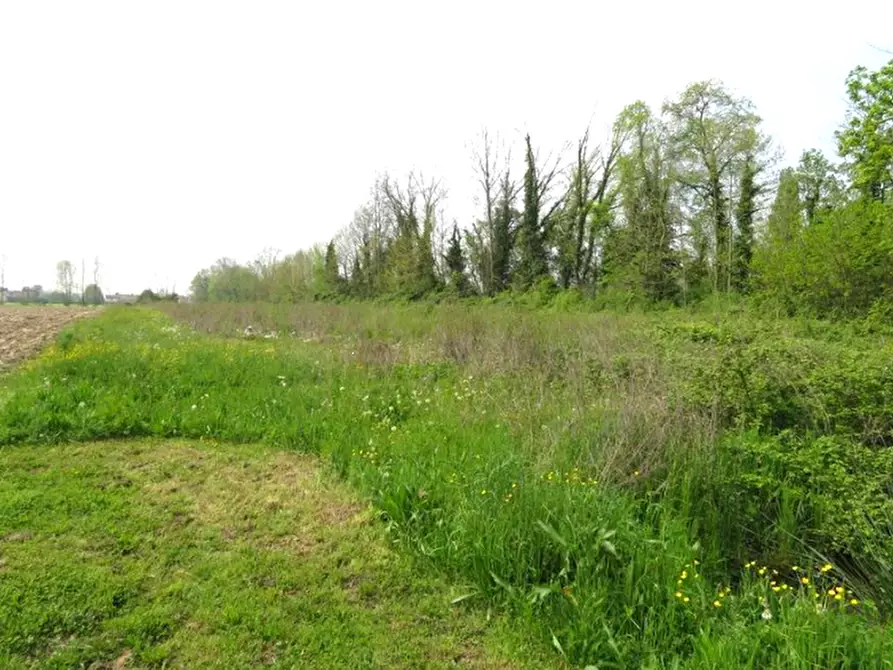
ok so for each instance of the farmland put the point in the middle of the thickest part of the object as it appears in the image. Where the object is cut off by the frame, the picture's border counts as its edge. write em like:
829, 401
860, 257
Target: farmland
671, 490
24, 330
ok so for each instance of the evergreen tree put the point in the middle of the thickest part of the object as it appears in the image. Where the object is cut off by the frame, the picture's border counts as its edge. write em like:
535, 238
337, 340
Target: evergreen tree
641, 260
533, 263
455, 261
504, 234
744, 215
332, 277
785, 218
775, 262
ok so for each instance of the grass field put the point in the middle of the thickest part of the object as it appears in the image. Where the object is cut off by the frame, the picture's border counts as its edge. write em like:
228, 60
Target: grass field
667, 490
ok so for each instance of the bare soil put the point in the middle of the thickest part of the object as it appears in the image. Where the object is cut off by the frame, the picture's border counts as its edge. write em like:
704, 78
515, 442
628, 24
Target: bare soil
24, 331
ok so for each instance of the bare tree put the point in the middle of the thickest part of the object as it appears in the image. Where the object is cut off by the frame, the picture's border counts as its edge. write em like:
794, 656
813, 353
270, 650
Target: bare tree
65, 278
492, 237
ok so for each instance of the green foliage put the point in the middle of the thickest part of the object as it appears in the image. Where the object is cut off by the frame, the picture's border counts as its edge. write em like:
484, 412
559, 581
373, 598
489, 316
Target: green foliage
638, 256
711, 132
744, 220
189, 554
866, 140
819, 185
570, 468
93, 295
839, 267
455, 262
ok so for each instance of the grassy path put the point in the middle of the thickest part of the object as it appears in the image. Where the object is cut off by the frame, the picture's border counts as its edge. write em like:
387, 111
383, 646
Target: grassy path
192, 555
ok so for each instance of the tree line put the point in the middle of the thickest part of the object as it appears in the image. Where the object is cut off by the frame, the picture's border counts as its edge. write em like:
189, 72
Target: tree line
676, 205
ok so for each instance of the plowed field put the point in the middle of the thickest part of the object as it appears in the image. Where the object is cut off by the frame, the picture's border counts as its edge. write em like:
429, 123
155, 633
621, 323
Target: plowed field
24, 331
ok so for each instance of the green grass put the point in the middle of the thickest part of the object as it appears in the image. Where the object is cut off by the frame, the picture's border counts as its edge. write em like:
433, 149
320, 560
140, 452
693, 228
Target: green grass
192, 555
603, 482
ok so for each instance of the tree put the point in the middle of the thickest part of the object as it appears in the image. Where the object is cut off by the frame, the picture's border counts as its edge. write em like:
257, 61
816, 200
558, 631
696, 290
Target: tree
93, 295
745, 210
491, 241
230, 282
147, 296
866, 140
639, 259
785, 219
584, 215
817, 183
331, 273
536, 220
199, 286
777, 257
455, 262
65, 278
410, 257
712, 133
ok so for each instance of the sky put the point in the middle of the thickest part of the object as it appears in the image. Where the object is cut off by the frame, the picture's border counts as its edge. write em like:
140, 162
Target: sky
160, 136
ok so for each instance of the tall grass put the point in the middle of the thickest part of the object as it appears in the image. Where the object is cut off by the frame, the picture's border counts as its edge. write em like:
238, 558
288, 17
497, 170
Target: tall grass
638, 490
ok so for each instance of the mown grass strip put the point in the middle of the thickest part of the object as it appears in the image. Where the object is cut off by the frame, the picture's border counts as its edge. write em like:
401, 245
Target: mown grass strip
201, 555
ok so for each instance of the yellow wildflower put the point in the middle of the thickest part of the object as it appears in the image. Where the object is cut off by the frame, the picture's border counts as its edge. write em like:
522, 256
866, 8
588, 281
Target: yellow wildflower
854, 602
827, 567
804, 580
716, 603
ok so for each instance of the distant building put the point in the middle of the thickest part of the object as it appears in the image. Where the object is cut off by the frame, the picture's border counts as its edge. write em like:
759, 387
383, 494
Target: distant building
121, 299
15, 296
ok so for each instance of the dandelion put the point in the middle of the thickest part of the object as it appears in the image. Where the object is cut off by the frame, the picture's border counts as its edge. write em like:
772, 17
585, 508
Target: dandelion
686, 599
832, 592
839, 596
762, 571
804, 580
827, 567
776, 589
840, 589
716, 603
684, 575
854, 602
748, 566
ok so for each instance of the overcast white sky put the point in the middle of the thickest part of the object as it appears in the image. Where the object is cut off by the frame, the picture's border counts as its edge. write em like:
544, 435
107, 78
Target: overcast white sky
161, 135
